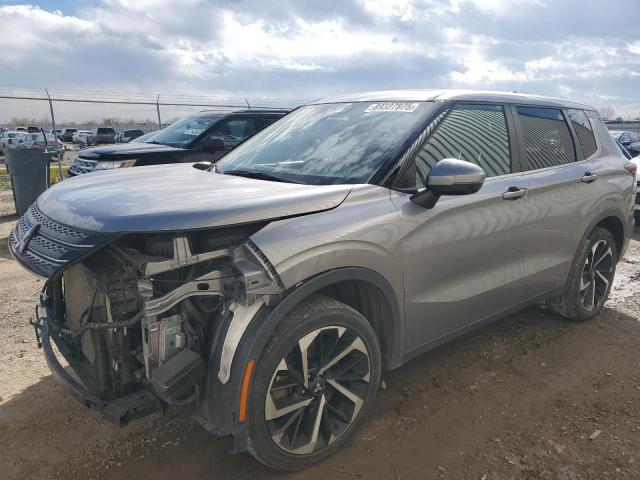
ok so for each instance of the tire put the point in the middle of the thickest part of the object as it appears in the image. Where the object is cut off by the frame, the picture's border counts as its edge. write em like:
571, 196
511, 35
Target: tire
588, 288
283, 438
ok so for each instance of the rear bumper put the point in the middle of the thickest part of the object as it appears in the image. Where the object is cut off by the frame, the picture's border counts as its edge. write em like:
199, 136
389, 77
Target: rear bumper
121, 410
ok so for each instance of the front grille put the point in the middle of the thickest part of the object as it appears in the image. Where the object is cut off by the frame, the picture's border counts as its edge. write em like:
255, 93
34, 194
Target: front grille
82, 165
51, 245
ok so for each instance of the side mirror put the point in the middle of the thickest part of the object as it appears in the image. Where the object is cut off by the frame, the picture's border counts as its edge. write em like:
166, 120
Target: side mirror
214, 144
203, 165
450, 176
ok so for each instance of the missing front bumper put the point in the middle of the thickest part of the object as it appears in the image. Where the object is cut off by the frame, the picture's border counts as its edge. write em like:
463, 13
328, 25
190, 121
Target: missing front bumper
120, 410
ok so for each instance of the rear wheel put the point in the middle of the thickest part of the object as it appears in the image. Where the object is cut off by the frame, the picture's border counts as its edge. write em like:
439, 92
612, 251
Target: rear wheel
314, 383
590, 278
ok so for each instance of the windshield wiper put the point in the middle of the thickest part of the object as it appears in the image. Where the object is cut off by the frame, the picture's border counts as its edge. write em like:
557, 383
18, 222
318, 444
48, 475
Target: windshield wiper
259, 174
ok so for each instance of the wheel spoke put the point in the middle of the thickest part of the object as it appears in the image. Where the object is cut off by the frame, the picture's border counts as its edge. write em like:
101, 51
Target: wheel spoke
357, 344
591, 293
313, 441
607, 253
304, 344
272, 412
603, 279
584, 283
357, 401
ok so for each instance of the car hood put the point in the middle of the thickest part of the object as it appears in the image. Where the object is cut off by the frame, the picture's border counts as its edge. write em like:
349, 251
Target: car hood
127, 150
178, 197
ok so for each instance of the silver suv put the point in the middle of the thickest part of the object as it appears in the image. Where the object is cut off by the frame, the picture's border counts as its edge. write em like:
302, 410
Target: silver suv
267, 293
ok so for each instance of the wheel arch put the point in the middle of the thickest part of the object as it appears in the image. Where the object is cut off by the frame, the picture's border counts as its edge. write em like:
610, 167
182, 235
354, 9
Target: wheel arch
363, 289
612, 220
615, 226
221, 409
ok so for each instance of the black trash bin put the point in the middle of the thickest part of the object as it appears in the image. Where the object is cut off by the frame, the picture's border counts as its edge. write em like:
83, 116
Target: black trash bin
29, 172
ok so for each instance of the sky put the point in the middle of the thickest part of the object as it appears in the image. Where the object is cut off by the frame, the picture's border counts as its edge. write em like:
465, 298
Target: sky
584, 50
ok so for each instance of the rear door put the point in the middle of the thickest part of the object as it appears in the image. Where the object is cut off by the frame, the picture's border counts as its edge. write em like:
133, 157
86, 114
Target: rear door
464, 258
566, 193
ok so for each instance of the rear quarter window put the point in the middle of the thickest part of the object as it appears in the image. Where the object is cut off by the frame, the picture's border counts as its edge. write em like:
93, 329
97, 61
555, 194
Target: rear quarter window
584, 132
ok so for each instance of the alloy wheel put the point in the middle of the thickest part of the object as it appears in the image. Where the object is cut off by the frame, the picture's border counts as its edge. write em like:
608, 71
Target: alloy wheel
597, 275
317, 390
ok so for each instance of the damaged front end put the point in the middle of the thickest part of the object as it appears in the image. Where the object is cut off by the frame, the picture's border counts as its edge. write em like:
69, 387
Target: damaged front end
140, 317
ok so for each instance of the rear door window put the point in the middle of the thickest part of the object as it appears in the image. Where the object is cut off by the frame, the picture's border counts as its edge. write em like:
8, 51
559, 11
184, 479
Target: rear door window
584, 132
235, 130
547, 139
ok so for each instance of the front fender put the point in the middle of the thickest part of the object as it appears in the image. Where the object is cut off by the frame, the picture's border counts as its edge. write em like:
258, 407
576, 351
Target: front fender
219, 412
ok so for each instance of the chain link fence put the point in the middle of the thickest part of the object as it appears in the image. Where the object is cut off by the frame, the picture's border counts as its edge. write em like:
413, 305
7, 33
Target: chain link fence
85, 110
629, 126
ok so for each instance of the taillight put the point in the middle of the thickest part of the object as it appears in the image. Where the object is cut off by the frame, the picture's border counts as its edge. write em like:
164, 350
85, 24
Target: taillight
35, 146
632, 167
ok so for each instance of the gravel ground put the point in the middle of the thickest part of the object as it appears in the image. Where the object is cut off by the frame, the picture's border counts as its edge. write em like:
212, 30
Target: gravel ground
530, 397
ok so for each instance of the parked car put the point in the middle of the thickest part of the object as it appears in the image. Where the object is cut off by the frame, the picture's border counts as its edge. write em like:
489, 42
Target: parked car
67, 134
127, 135
33, 129
635, 160
10, 138
102, 135
145, 137
266, 293
205, 136
629, 140
36, 141
57, 132
81, 136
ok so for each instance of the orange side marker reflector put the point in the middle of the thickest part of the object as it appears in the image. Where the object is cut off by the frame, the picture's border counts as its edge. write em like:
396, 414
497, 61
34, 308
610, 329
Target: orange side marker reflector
245, 391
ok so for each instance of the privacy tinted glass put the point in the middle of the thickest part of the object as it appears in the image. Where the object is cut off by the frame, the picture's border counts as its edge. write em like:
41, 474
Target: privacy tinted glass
547, 139
584, 132
475, 133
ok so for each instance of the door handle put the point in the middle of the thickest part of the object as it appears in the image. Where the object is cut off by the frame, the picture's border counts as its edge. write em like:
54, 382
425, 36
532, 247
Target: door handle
514, 193
589, 177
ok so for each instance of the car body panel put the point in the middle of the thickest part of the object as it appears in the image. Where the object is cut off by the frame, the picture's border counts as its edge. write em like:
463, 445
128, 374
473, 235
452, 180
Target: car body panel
300, 248
178, 197
463, 259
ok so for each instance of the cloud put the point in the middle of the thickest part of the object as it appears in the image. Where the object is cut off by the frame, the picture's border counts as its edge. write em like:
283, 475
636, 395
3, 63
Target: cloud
584, 50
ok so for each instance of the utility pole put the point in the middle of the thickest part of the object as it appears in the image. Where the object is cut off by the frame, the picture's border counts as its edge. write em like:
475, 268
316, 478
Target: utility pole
55, 137
158, 110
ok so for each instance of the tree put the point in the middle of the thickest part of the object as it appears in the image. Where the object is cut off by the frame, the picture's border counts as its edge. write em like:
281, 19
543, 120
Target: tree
608, 113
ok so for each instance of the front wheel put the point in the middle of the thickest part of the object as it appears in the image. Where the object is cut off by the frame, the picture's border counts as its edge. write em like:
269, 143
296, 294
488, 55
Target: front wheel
315, 382
590, 278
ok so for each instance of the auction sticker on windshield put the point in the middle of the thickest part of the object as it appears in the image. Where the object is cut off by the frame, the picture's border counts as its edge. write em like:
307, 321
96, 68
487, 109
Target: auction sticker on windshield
193, 131
392, 107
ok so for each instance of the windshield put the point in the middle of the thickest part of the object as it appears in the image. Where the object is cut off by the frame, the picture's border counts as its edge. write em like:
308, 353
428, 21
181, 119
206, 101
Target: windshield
184, 131
326, 144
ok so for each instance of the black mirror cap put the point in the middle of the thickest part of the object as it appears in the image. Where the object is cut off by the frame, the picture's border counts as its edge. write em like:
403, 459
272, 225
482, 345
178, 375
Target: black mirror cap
203, 165
214, 144
450, 176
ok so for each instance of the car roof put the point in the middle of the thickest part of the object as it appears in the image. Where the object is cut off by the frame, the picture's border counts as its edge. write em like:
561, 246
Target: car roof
224, 113
440, 95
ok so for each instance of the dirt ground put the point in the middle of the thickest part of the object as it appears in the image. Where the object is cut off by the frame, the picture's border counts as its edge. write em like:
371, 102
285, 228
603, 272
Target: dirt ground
530, 397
